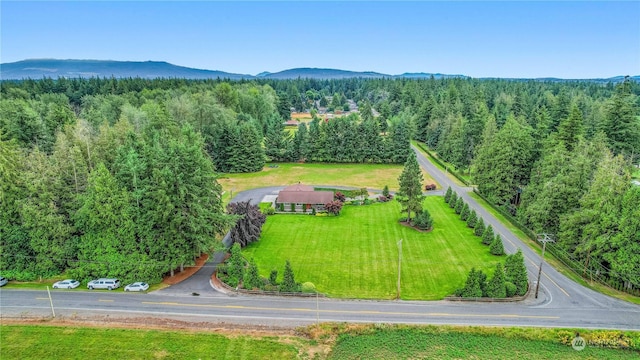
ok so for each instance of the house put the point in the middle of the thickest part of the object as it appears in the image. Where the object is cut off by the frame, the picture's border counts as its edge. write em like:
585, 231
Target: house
302, 198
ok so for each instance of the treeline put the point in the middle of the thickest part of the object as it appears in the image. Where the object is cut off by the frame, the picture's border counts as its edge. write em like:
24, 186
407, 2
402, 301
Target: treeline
556, 155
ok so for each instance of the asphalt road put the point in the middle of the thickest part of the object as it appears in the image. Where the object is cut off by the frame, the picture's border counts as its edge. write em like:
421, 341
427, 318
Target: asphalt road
561, 302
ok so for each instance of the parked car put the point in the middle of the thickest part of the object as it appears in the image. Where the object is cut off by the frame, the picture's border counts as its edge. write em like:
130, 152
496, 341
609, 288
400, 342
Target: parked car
3, 281
66, 284
108, 284
137, 286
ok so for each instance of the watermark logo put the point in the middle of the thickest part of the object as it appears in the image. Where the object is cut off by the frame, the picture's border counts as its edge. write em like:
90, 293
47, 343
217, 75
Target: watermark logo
578, 343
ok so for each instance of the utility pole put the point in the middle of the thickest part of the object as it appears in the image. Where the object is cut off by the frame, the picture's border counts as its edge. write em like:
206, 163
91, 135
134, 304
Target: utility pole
544, 239
399, 267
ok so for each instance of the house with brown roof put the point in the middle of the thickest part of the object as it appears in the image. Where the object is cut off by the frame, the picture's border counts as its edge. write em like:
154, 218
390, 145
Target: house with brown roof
302, 198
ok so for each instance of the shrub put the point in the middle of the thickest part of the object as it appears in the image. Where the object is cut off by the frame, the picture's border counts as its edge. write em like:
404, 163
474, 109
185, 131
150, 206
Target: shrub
270, 211
423, 220
308, 287
339, 196
333, 207
510, 289
383, 198
385, 191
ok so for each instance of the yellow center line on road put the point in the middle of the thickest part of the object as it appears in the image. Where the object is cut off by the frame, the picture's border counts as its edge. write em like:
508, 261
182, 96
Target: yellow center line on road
42, 298
105, 300
547, 276
351, 312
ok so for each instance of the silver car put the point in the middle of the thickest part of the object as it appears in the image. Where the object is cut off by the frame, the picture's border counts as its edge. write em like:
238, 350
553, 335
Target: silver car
3, 281
108, 284
137, 286
66, 284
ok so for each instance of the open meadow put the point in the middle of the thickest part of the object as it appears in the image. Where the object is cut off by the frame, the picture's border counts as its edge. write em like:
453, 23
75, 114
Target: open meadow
355, 255
373, 176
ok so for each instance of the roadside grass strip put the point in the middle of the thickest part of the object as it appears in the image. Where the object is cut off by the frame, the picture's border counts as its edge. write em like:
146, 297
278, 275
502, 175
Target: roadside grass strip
355, 255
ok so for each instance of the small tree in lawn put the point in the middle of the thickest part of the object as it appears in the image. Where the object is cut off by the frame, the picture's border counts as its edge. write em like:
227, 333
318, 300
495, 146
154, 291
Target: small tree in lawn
496, 287
453, 199
459, 205
288, 281
338, 196
333, 207
385, 191
410, 193
478, 230
516, 272
464, 214
472, 219
488, 235
423, 220
497, 248
447, 195
251, 277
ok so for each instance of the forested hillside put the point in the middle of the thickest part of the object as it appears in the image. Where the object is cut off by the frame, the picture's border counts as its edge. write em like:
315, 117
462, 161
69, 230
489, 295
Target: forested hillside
118, 176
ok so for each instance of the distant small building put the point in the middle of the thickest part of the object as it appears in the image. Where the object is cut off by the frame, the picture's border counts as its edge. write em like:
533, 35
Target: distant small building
302, 198
291, 123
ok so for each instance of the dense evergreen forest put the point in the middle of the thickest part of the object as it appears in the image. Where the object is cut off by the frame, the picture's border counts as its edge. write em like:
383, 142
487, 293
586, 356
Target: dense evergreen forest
118, 177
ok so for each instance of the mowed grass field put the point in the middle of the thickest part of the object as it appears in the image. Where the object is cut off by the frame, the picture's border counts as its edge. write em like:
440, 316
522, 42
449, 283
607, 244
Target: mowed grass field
53, 342
373, 176
355, 255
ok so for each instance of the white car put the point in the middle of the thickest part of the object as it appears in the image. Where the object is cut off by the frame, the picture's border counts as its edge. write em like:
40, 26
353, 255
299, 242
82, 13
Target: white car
137, 286
3, 281
66, 284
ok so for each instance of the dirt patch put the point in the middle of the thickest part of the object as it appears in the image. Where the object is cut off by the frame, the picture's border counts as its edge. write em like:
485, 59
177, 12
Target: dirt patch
188, 271
407, 224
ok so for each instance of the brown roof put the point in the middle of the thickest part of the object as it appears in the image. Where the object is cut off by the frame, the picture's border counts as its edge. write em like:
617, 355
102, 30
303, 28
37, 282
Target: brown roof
305, 197
298, 187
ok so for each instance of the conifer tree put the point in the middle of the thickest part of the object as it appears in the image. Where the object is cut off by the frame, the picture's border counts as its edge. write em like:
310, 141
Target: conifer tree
459, 205
288, 281
453, 199
497, 248
479, 229
464, 214
496, 287
447, 195
472, 220
488, 235
410, 193
516, 272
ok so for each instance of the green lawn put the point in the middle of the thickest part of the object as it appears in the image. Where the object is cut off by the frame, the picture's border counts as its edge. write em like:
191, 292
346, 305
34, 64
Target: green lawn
355, 255
374, 176
636, 174
52, 342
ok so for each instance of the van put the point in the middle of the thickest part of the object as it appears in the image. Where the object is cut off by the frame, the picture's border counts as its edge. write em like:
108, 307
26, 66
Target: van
108, 284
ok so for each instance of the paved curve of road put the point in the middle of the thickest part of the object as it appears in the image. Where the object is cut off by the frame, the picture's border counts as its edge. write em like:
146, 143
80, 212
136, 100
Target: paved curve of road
561, 302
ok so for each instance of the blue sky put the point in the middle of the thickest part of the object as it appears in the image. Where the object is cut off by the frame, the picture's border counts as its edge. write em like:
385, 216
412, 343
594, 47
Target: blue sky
479, 39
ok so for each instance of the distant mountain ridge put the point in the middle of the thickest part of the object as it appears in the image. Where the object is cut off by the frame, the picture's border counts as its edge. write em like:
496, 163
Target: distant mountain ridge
54, 68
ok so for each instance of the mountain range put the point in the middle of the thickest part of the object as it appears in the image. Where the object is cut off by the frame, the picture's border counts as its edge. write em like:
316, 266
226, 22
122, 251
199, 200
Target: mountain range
54, 68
